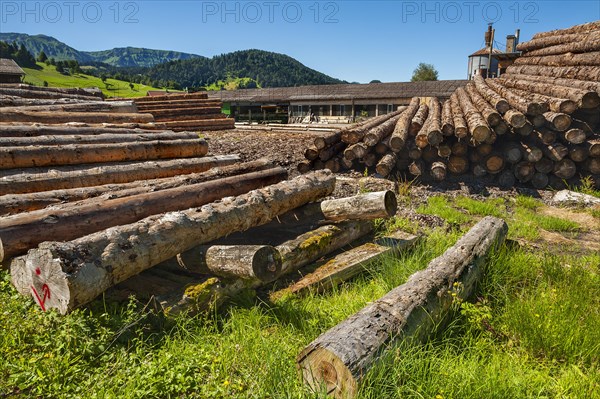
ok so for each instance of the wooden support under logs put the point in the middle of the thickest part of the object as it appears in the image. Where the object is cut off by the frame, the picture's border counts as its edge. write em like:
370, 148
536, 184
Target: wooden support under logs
338, 359
76, 272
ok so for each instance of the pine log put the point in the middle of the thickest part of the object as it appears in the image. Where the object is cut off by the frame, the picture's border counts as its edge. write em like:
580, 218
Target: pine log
347, 265
304, 166
558, 121
586, 73
430, 154
447, 119
327, 140
333, 165
553, 103
414, 152
21, 232
401, 130
356, 151
387, 164
565, 169
378, 133
64, 117
177, 104
583, 98
330, 152
248, 262
15, 203
555, 151
493, 98
531, 153
516, 101
592, 165
76, 154
539, 121
65, 177
14, 101
593, 145
539, 180
460, 124
525, 130
311, 153
578, 153
126, 107
545, 135
544, 166
370, 159
568, 59
67, 130
460, 148
91, 93
419, 119
478, 127
383, 147
76, 272
576, 83
479, 170
506, 179
554, 40
367, 206
170, 97
494, 163
586, 43
458, 164
444, 150
513, 153
355, 134
438, 171
491, 116
416, 168
94, 139
524, 171
204, 124
515, 118
182, 113
338, 359
35, 94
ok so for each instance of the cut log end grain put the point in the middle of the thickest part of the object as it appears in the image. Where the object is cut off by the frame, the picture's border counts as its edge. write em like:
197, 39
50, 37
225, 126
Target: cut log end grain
368, 206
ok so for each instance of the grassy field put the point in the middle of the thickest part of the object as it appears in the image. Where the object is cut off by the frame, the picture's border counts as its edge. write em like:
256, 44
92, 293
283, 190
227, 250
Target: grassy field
112, 87
532, 330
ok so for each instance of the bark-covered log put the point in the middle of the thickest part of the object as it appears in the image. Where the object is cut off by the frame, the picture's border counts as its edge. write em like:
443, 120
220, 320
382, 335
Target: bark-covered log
520, 103
544, 166
460, 148
513, 152
506, 179
204, 124
430, 154
21, 232
15, 203
416, 168
584, 43
438, 171
460, 124
378, 133
554, 40
491, 116
555, 151
419, 119
347, 265
569, 59
367, 206
311, 153
401, 130
458, 164
584, 98
94, 139
478, 127
387, 164
494, 163
565, 169
582, 28
544, 135
593, 145
478, 170
330, 152
64, 177
558, 121
531, 153
248, 262
327, 140
553, 103
24, 130
355, 151
575, 83
515, 118
76, 272
170, 97
586, 73
370, 159
76, 154
304, 166
65, 117
592, 165
431, 131
538, 121
578, 153
115, 107
36, 94
339, 358
539, 180
355, 134
333, 165
493, 98
444, 150
447, 119
524, 171
414, 152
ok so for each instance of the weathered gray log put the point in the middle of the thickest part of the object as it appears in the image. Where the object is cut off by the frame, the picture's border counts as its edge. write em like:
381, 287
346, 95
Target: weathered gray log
347, 265
367, 206
76, 272
460, 124
387, 164
478, 127
21, 232
586, 73
15, 203
65, 177
496, 100
338, 359
401, 130
248, 262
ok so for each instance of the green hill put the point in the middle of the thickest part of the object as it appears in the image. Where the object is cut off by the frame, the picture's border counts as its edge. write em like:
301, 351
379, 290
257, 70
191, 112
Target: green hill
119, 57
112, 87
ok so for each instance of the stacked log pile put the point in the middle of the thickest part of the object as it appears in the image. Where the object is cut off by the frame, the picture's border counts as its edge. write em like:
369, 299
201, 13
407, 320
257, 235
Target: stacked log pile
185, 112
538, 124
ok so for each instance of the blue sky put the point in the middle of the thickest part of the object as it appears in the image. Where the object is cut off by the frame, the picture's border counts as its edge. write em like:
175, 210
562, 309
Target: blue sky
351, 40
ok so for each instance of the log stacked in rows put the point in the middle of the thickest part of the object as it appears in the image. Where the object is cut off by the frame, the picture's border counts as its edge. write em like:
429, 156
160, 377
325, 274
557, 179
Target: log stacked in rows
186, 112
538, 124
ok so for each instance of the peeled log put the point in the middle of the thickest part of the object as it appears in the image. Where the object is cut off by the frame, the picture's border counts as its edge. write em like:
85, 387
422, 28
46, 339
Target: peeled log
127, 107
478, 127
76, 272
64, 177
23, 231
248, 262
587, 73
339, 358
368, 206
75, 154
69, 130
460, 124
15, 203
64, 117
401, 130
496, 100
95, 139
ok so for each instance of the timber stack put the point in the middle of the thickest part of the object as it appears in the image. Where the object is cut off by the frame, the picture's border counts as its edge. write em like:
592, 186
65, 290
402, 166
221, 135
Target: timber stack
537, 124
185, 112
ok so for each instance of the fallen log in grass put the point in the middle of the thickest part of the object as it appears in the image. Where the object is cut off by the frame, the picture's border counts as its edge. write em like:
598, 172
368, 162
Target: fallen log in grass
74, 273
337, 360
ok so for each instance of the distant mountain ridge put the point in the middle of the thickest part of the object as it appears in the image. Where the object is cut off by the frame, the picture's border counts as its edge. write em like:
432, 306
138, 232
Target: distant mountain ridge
119, 57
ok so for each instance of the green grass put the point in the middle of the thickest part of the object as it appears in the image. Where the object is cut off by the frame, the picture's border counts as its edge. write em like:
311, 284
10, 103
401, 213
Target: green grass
532, 331
442, 207
112, 88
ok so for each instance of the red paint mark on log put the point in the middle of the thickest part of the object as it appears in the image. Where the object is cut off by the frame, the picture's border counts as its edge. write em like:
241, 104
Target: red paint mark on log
38, 271
46, 291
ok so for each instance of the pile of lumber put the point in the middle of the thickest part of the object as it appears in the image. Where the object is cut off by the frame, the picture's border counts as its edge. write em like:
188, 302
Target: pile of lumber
185, 112
13, 92
538, 124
